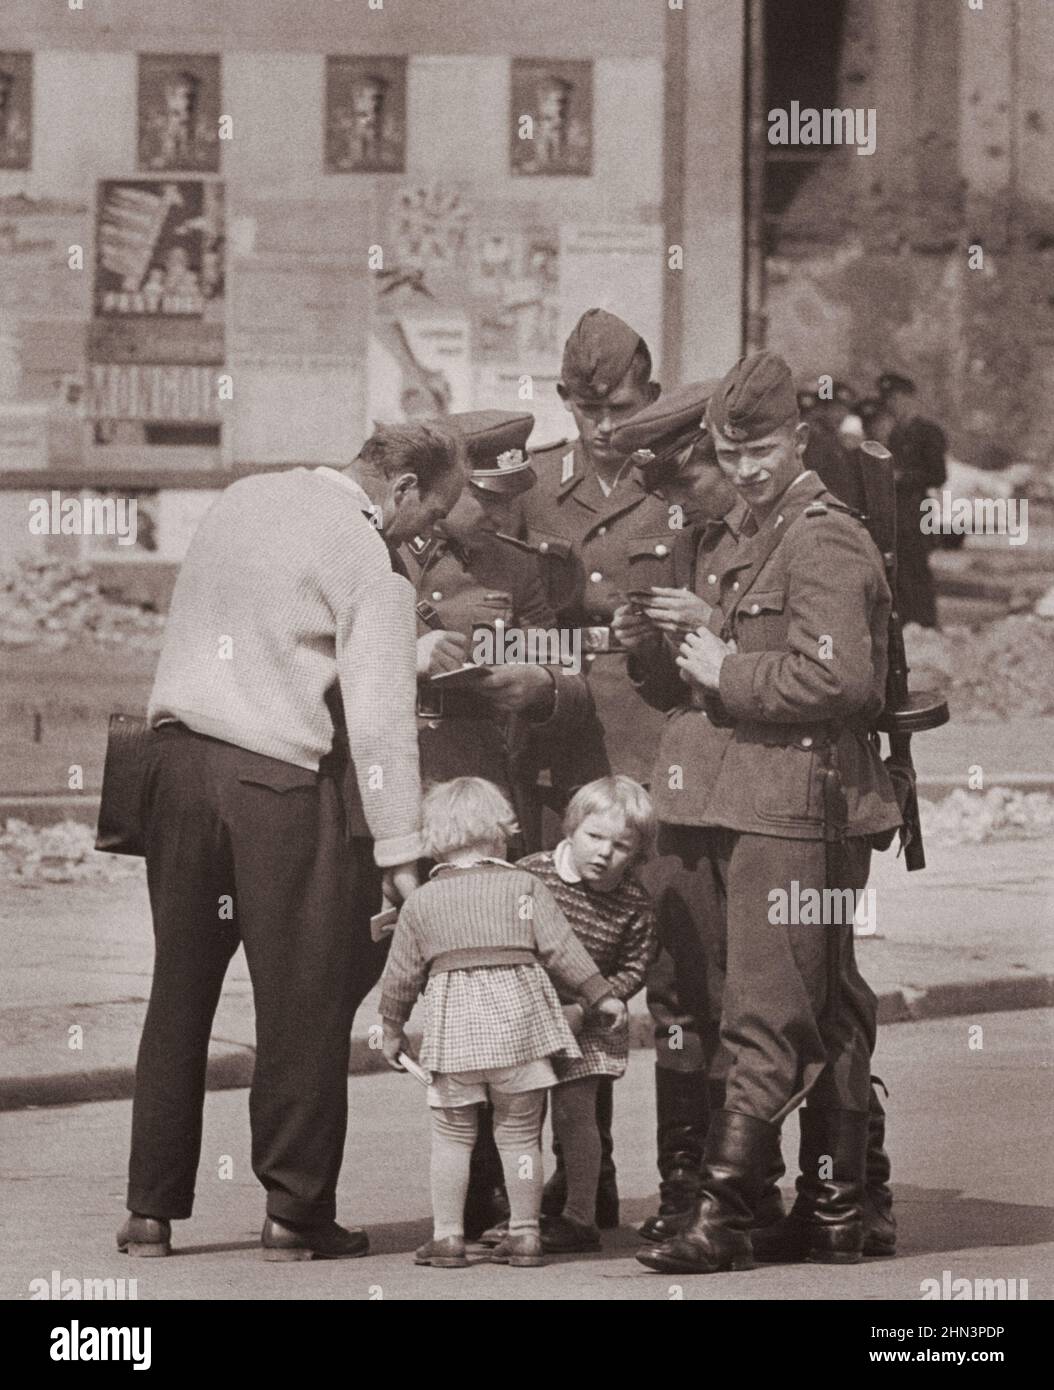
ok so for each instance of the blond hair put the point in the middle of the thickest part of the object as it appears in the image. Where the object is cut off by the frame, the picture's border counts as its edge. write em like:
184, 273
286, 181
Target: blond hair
617, 793
464, 813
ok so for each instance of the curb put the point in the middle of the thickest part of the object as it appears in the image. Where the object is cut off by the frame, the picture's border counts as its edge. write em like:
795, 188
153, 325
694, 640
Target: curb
233, 1070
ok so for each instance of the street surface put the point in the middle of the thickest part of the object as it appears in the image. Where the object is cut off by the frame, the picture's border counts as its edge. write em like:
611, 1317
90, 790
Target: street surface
971, 1133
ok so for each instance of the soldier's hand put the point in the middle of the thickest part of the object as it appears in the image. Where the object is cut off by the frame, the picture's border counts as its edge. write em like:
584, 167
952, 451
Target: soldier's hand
515, 688
677, 611
632, 628
440, 651
701, 657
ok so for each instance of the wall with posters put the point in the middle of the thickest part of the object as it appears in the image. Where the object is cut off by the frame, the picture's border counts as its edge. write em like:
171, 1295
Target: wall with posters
387, 243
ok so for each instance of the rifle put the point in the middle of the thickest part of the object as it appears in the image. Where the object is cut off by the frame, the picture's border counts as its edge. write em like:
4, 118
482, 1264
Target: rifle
905, 712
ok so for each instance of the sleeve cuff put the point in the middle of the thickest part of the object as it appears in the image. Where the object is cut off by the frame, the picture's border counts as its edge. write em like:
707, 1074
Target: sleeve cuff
398, 849
394, 1009
597, 987
736, 684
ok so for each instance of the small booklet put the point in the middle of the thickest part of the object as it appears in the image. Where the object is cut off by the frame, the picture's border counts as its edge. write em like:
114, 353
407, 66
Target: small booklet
382, 923
415, 1069
464, 678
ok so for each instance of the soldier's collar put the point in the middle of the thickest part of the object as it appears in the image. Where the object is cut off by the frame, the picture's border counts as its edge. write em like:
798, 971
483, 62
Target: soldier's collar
572, 469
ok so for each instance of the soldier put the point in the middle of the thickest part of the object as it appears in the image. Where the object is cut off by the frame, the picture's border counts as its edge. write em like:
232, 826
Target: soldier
677, 460
603, 534
919, 448
770, 785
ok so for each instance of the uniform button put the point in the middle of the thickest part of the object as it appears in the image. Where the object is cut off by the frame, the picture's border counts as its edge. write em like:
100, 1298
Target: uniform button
591, 657
735, 584
711, 578
596, 577
437, 594
661, 550
754, 608
433, 723
602, 530
543, 547
806, 742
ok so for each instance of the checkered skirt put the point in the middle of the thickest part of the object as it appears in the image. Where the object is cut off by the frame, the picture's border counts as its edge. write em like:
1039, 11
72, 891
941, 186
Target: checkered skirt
492, 1016
603, 1053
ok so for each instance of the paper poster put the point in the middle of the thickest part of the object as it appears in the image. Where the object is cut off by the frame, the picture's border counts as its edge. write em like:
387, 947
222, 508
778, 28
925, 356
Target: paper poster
419, 367
16, 110
551, 116
620, 268
36, 281
179, 112
365, 115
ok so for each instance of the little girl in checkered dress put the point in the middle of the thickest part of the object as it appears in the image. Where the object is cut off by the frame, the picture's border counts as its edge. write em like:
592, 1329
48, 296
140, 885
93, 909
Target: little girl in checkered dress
480, 940
608, 828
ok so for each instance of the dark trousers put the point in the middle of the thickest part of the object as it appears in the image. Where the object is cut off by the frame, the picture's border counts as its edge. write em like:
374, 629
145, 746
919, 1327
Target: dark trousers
243, 848
796, 1016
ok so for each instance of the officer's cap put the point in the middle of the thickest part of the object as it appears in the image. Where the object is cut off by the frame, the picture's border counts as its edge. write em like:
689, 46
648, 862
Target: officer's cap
496, 441
659, 432
889, 382
597, 355
756, 397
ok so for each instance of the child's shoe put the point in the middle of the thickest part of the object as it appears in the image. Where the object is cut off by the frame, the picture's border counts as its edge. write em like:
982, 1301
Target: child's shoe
448, 1253
522, 1250
563, 1235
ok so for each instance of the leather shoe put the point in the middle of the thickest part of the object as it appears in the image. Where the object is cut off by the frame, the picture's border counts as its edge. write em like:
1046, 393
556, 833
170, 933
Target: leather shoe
524, 1249
448, 1253
562, 1235
326, 1241
146, 1237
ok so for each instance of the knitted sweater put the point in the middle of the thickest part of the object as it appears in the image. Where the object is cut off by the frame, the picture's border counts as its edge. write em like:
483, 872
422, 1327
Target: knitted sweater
488, 914
285, 589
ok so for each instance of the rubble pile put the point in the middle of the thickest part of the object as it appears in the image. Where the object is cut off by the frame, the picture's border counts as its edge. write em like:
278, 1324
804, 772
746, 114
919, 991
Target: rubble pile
997, 671
974, 817
49, 604
63, 853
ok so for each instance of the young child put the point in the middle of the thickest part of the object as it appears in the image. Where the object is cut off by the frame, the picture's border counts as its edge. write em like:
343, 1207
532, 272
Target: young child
474, 940
608, 828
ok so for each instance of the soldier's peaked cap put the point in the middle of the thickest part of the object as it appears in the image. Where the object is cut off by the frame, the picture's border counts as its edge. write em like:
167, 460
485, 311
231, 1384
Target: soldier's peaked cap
756, 397
597, 355
496, 441
676, 417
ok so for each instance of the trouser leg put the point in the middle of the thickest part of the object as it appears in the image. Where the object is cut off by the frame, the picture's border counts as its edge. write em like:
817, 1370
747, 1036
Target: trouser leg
191, 886
296, 877
782, 1039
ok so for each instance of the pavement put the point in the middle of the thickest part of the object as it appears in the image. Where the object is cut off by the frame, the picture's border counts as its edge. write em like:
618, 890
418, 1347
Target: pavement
969, 935
971, 1131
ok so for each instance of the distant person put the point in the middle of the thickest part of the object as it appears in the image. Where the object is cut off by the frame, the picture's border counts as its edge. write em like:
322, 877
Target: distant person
919, 449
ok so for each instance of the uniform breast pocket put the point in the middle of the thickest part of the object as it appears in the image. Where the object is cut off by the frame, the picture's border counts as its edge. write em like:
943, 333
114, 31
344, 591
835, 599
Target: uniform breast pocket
761, 622
651, 561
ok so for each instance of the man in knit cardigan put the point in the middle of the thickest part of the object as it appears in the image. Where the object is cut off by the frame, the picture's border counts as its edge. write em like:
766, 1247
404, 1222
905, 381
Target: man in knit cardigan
287, 589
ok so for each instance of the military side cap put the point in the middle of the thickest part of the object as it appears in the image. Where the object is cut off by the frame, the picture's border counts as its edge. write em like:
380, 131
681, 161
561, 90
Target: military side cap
753, 399
597, 355
889, 382
496, 441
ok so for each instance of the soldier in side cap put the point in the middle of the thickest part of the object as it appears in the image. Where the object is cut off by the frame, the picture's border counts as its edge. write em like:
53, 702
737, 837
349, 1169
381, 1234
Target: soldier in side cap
919, 449
603, 534
768, 780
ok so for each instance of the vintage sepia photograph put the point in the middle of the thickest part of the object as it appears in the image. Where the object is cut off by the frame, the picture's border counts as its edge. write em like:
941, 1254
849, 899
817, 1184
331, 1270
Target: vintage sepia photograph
526, 670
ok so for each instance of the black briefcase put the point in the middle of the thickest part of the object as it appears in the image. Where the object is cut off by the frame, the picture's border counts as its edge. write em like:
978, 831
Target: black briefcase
120, 829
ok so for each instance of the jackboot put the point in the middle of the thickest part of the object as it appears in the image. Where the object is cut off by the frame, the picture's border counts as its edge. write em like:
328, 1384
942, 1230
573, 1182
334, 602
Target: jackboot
682, 1108
486, 1203
737, 1159
554, 1194
826, 1223
880, 1225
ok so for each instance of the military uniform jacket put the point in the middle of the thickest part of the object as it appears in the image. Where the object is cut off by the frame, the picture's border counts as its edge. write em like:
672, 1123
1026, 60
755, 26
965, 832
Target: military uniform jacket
807, 603
475, 739
596, 549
